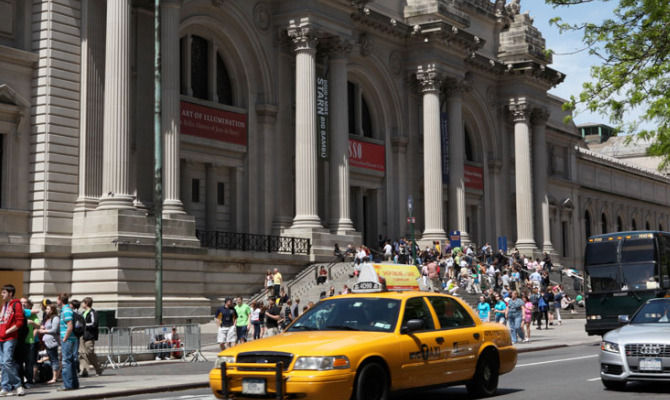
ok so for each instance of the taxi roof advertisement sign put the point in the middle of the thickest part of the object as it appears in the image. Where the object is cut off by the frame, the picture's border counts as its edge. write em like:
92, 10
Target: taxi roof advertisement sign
399, 277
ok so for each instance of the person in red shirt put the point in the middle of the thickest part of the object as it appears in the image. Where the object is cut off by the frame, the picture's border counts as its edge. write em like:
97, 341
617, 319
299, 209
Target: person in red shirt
11, 320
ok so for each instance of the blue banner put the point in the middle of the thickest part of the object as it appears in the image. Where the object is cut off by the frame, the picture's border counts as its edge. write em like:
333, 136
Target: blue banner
444, 140
502, 243
455, 239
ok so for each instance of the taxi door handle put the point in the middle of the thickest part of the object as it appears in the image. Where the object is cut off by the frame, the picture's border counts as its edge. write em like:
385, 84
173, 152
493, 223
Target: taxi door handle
439, 340
476, 335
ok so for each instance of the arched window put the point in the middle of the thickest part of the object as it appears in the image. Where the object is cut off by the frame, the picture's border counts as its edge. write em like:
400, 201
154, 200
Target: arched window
224, 89
633, 225
204, 83
360, 116
469, 154
660, 227
587, 223
647, 226
619, 224
603, 223
199, 73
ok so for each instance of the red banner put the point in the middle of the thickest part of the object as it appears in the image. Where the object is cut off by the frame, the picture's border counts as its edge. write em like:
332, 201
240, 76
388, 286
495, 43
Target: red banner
474, 177
213, 123
367, 155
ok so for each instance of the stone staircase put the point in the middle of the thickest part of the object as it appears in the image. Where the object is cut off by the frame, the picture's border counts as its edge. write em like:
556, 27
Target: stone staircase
303, 286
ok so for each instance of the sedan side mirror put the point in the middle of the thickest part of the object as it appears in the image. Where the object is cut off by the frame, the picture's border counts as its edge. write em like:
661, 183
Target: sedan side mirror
413, 325
623, 319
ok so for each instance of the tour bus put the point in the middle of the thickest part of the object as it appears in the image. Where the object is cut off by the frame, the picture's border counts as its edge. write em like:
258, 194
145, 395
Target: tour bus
623, 270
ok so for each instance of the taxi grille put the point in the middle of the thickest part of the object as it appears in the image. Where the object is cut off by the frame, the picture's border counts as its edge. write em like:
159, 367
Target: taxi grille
264, 357
647, 350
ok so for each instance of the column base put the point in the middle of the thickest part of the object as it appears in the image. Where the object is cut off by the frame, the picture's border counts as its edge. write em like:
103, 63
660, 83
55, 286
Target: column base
547, 247
86, 203
434, 234
281, 223
173, 206
526, 247
306, 222
342, 226
116, 202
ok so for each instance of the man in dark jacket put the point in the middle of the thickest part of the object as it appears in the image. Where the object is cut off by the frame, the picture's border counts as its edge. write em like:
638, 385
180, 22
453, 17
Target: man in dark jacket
11, 321
87, 354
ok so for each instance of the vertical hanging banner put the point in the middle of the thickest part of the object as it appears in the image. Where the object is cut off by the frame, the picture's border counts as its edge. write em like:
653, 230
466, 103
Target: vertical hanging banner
444, 141
322, 116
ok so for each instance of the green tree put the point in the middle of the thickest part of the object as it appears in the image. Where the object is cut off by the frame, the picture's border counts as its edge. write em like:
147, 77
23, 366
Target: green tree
634, 46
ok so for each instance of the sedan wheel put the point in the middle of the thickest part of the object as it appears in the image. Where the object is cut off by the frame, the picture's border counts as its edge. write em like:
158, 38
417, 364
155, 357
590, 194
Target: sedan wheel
485, 381
371, 383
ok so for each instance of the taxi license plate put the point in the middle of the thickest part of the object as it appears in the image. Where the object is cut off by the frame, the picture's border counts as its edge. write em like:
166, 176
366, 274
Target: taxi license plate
253, 386
650, 364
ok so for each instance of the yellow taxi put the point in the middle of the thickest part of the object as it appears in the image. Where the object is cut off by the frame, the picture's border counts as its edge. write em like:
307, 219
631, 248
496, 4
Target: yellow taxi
363, 346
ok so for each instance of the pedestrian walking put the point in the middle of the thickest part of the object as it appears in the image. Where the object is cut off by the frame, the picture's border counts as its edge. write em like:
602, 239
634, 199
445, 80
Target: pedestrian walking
514, 316
69, 353
51, 338
226, 318
484, 309
272, 318
500, 309
12, 320
27, 356
243, 312
87, 356
256, 319
527, 316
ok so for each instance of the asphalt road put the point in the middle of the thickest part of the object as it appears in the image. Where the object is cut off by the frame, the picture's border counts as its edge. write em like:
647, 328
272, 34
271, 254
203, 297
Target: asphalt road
566, 373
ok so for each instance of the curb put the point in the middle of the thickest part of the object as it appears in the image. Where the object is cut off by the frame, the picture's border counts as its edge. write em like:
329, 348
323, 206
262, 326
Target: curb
134, 392
553, 346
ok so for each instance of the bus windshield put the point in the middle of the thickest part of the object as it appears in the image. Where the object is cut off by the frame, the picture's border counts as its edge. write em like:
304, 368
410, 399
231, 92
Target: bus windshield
604, 278
639, 276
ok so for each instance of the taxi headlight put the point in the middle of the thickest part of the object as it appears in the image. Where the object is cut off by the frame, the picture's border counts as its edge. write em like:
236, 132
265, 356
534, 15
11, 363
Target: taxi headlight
321, 363
609, 347
594, 317
223, 359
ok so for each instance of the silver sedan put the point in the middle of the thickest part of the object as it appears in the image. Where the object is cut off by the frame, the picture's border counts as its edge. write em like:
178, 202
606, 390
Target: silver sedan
639, 350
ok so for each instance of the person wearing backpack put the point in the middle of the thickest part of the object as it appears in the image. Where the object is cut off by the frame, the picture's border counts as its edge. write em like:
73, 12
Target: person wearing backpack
11, 322
534, 299
543, 309
87, 354
69, 345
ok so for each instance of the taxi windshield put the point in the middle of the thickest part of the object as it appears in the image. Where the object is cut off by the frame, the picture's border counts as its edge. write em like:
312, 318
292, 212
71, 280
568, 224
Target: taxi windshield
654, 312
350, 314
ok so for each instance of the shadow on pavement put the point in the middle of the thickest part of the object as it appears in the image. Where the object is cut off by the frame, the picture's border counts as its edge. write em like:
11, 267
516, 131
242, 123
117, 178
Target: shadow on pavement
645, 387
452, 393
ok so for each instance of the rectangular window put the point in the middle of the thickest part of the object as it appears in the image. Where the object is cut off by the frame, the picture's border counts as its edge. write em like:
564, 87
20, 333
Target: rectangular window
351, 99
2, 142
220, 194
564, 237
195, 190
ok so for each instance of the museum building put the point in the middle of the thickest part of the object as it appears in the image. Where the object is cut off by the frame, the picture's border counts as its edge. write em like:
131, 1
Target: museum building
288, 126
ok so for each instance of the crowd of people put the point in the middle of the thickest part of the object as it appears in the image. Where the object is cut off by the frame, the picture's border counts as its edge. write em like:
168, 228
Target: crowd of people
46, 344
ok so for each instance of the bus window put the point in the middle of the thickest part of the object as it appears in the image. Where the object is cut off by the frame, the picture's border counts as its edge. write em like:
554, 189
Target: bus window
639, 276
601, 253
665, 260
604, 278
636, 250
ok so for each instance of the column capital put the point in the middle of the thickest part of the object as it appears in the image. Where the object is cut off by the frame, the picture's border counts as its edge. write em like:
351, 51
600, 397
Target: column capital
336, 47
302, 34
455, 88
429, 78
539, 116
519, 109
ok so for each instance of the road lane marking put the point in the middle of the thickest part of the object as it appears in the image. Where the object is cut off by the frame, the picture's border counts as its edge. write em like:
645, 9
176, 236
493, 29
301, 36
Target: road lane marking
555, 361
593, 379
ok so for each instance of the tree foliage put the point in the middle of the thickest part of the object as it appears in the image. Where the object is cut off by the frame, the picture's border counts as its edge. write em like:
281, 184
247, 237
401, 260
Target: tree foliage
634, 46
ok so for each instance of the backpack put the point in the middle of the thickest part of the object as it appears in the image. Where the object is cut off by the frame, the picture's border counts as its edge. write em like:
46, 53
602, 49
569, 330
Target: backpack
79, 324
542, 304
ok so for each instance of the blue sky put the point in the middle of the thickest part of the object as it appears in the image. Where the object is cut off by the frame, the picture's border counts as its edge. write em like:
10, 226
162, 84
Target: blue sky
575, 66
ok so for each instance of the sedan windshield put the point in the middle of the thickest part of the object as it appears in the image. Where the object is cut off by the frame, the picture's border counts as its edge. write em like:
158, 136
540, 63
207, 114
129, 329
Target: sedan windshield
654, 312
350, 314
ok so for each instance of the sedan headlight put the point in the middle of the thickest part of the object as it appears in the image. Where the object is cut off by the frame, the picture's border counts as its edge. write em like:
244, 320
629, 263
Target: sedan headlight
223, 359
609, 347
321, 363
594, 317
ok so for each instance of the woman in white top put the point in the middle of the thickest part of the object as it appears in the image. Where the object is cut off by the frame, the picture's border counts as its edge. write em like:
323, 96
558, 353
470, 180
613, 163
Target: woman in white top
50, 332
255, 319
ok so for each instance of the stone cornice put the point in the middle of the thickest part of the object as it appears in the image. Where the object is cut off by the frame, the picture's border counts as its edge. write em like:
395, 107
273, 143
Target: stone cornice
380, 22
444, 32
548, 77
19, 57
608, 161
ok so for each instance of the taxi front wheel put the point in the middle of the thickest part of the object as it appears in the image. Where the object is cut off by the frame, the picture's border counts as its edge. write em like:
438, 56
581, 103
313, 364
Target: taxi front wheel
371, 383
485, 381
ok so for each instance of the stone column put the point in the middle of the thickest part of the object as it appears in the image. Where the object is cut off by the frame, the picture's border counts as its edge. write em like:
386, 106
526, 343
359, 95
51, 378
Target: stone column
238, 179
522, 170
170, 10
116, 190
91, 112
432, 159
339, 148
456, 132
210, 197
539, 120
306, 213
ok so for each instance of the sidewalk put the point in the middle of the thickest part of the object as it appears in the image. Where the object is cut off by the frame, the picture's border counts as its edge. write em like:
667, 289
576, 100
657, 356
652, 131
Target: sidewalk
571, 333
163, 376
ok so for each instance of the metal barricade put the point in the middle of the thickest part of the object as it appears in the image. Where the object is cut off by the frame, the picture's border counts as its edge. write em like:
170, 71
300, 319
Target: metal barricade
172, 341
104, 347
122, 346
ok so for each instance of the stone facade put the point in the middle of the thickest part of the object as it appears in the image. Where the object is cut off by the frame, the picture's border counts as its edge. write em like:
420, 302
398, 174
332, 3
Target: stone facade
443, 101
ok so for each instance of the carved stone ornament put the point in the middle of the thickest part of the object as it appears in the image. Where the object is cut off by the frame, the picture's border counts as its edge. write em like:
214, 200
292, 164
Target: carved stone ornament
262, 16
429, 78
364, 44
519, 109
539, 116
514, 7
218, 3
302, 35
395, 62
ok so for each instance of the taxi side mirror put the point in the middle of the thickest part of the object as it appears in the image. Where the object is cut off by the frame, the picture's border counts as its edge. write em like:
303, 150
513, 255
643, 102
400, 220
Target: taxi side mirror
413, 325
